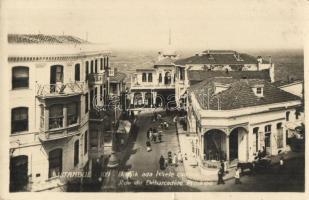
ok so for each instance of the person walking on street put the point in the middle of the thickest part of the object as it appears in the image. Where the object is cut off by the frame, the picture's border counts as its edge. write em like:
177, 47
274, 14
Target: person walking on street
162, 162
237, 176
180, 157
148, 134
281, 165
175, 160
220, 176
160, 136
148, 145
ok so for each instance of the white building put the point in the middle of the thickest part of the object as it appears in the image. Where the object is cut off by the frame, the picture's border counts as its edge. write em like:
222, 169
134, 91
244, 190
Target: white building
50, 101
232, 119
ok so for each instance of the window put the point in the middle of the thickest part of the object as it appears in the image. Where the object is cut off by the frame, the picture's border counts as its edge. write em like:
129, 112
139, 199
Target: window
287, 116
56, 76
144, 78
279, 135
96, 66
101, 91
91, 99
20, 77
181, 73
86, 103
150, 77
19, 119
72, 113
160, 78
87, 70
86, 142
267, 135
256, 138
297, 114
42, 116
259, 90
94, 136
56, 116
91, 66
77, 72
76, 152
101, 63
55, 163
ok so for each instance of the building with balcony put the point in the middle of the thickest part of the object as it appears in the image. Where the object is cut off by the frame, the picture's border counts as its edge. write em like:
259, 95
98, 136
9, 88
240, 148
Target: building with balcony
54, 80
232, 119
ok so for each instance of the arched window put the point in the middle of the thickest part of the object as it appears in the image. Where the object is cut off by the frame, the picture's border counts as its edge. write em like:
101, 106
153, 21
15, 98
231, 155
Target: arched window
76, 152
150, 77
86, 142
267, 135
287, 116
77, 72
160, 78
96, 66
101, 63
144, 78
20, 77
56, 116
55, 163
19, 121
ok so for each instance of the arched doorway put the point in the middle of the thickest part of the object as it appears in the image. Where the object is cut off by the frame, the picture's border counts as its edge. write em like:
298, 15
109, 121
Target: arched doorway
238, 144
215, 145
18, 173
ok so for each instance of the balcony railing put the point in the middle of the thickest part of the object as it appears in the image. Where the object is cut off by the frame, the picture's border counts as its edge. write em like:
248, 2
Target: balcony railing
56, 134
152, 86
60, 89
96, 78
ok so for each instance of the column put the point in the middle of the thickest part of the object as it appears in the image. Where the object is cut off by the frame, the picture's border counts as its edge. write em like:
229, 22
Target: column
65, 114
143, 97
118, 89
132, 98
154, 98
202, 152
227, 142
46, 118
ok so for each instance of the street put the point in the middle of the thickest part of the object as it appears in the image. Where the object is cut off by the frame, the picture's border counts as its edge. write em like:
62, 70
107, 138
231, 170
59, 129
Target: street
145, 174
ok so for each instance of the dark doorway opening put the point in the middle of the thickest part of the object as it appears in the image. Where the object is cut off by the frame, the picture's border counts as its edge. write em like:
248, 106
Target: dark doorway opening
18, 173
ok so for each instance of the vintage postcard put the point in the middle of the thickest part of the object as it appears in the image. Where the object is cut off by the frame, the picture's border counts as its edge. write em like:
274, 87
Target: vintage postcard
185, 99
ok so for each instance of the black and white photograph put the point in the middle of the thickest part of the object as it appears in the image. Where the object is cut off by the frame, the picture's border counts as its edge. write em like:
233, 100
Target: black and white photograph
166, 96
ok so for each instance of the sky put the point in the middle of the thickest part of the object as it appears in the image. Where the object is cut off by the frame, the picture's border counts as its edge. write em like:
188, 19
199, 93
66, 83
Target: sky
142, 24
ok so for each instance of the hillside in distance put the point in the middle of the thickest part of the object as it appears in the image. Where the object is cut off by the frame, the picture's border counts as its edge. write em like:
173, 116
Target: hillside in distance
289, 64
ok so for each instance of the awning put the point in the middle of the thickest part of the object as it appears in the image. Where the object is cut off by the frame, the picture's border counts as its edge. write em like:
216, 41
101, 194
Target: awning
124, 127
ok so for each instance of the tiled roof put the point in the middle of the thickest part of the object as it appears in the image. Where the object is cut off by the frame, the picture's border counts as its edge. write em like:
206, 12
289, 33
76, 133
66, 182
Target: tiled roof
239, 94
285, 82
118, 77
43, 39
165, 61
219, 57
195, 76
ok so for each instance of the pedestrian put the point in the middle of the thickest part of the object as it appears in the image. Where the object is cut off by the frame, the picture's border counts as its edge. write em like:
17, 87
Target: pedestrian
175, 161
166, 125
237, 176
281, 165
148, 134
220, 176
165, 163
162, 162
148, 145
160, 136
223, 166
186, 158
180, 157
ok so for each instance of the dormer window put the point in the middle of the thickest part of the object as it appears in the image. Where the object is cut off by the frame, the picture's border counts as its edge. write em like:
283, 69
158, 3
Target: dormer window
258, 90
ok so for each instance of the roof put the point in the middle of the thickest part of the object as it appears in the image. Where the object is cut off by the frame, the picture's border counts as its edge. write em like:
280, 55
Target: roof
239, 94
281, 83
165, 61
43, 39
219, 57
118, 77
149, 69
200, 75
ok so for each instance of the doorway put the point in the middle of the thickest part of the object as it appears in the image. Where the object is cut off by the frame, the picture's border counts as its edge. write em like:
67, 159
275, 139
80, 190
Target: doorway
18, 173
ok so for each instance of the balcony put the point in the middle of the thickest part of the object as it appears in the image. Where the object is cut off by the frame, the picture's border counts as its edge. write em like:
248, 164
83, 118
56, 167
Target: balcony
60, 133
152, 86
60, 89
96, 79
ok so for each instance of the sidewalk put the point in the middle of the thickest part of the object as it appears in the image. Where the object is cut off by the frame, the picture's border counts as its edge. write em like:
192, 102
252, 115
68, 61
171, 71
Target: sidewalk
195, 172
